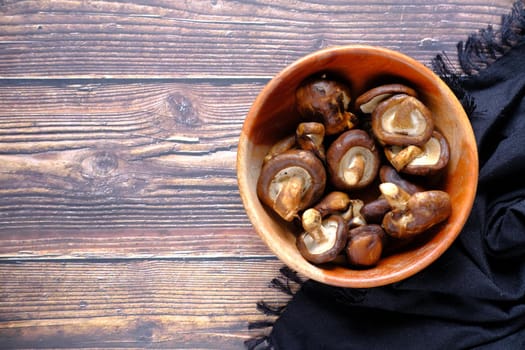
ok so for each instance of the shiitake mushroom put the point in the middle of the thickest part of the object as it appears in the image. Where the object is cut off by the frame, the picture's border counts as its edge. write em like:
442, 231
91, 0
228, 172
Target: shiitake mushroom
353, 160
291, 181
322, 240
413, 214
365, 245
402, 120
326, 101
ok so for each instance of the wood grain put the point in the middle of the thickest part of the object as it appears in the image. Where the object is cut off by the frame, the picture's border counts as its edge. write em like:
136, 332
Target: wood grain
137, 155
173, 39
84, 243
133, 304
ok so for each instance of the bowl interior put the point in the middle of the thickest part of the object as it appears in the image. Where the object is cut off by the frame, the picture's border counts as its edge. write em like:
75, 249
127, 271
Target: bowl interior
273, 116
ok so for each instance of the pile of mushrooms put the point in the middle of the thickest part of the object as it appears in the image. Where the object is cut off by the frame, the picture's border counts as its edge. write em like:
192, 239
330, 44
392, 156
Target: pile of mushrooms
384, 143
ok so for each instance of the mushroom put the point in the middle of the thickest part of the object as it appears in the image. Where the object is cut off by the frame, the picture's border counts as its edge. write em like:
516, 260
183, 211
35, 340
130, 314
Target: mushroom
353, 160
333, 202
369, 100
389, 174
322, 240
326, 101
373, 212
433, 156
291, 181
281, 146
402, 120
365, 245
310, 137
421, 211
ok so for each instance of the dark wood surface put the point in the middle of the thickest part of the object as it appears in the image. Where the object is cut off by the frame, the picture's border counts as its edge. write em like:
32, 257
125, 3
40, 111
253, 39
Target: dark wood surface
121, 224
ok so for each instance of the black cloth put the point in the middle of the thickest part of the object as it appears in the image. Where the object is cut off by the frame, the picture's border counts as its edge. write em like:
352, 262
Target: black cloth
473, 296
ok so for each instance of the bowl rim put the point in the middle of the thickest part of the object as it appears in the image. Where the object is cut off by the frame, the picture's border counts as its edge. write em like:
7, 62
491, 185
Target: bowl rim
330, 277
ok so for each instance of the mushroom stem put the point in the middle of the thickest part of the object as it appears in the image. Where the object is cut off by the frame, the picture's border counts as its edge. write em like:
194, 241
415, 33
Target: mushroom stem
395, 195
405, 156
312, 223
353, 216
288, 199
355, 170
310, 137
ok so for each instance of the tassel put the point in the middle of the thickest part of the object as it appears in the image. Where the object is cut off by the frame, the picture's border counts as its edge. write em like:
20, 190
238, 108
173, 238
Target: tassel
281, 285
259, 343
286, 282
291, 275
443, 67
487, 45
269, 310
260, 324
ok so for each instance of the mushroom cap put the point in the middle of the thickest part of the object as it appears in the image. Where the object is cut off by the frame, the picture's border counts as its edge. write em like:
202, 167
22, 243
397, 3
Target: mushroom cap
333, 202
435, 156
424, 210
389, 174
369, 100
345, 152
402, 120
365, 245
326, 250
279, 170
374, 211
325, 101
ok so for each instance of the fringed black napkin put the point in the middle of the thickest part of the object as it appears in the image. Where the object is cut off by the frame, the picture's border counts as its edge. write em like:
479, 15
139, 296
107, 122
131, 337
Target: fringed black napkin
473, 297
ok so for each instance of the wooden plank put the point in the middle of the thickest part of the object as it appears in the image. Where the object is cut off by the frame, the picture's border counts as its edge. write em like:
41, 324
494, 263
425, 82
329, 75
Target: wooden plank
85, 243
161, 304
103, 156
166, 39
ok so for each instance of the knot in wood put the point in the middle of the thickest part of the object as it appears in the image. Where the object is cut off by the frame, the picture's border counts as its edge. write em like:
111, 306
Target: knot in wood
145, 331
183, 110
320, 43
99, 164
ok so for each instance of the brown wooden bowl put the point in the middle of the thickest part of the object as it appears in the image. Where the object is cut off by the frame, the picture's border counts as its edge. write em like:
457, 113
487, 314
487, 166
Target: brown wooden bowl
273, 116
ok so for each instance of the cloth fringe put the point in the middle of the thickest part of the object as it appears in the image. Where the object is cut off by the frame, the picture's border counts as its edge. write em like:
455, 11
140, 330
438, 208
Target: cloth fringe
483, 48
475, 54
287, 282
479, 51
445, 69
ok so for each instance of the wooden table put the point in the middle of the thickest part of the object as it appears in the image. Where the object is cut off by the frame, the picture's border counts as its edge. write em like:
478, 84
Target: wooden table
121, 223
